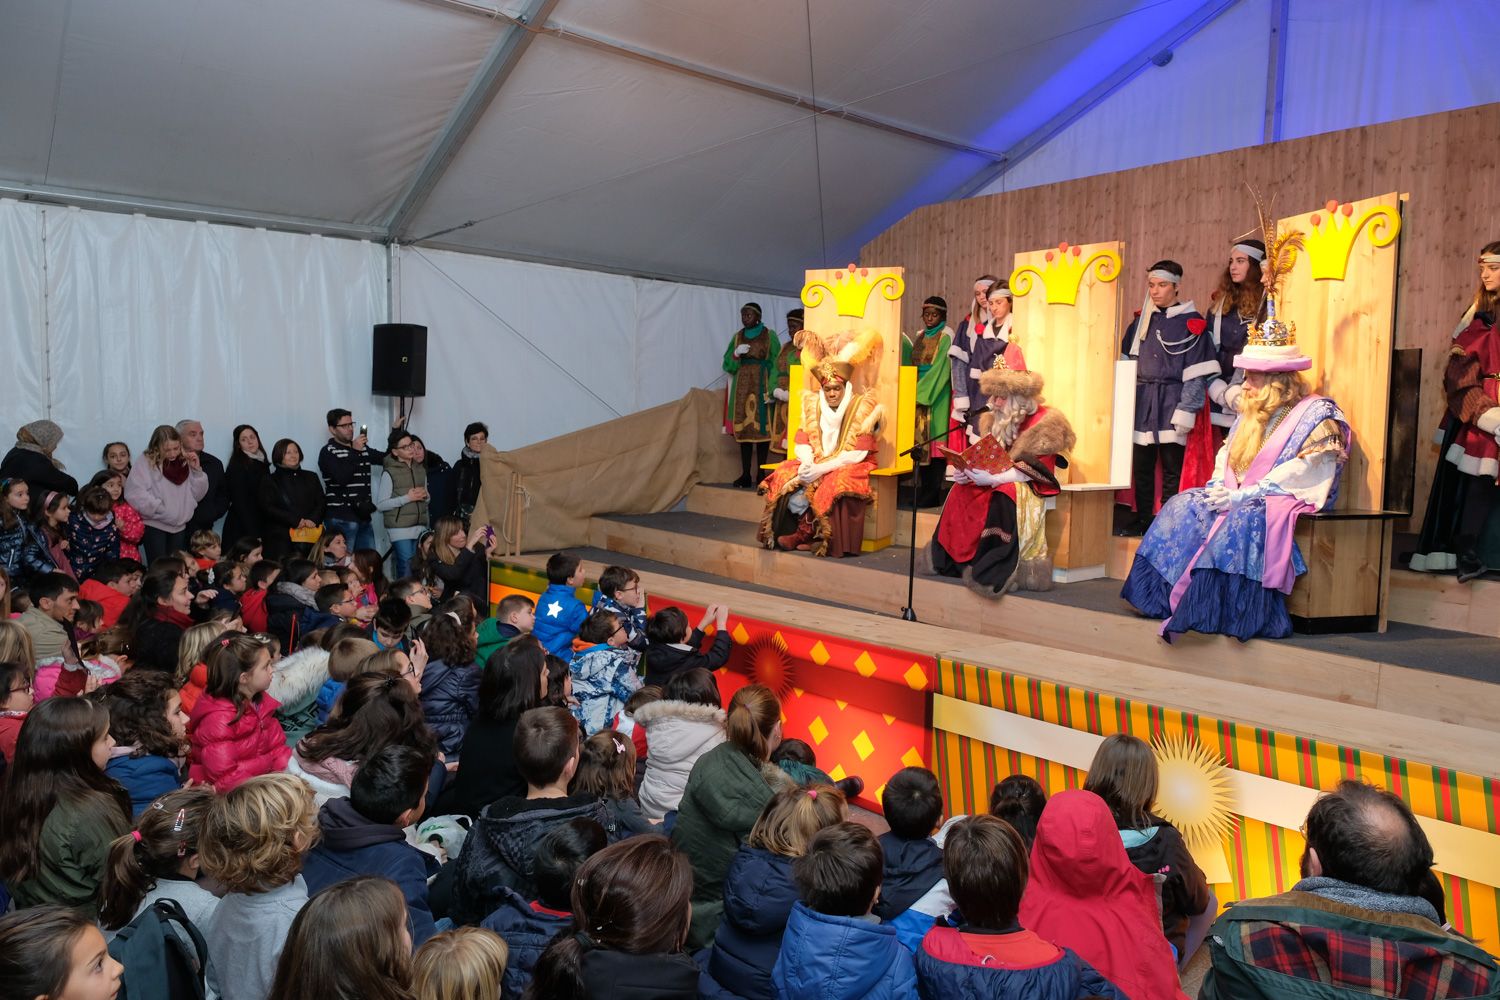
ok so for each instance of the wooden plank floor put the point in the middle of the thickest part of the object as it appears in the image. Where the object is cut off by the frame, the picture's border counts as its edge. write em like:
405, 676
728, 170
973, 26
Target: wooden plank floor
1337, 705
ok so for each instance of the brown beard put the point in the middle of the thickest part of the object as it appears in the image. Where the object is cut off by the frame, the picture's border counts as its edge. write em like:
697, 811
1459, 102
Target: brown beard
1256, 410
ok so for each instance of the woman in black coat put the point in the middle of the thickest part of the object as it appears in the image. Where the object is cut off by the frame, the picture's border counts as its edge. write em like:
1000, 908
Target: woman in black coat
247, 469
290, 497
31, 459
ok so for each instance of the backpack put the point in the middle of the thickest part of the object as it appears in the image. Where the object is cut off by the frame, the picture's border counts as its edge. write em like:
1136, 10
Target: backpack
159, 963
1431, 958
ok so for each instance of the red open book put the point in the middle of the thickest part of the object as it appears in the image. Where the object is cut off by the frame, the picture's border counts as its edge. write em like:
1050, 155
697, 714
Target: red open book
987, 455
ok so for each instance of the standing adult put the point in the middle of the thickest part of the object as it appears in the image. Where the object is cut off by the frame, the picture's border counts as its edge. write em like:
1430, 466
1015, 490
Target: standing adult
401, 497
345, 464
32, 460
789, 355
165, 487
929, 352
290, 497
750, 360
964, 338
248, 467
466, 471
215, 503
440, 485
1461, 529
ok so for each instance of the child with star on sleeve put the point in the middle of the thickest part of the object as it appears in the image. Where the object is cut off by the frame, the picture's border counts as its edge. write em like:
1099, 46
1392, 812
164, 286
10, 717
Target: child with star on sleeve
559, 612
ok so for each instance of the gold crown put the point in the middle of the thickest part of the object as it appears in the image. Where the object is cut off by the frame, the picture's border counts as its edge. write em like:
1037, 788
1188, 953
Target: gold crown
1274, 332
1063, 273
1329, 246
851, 291
830, 371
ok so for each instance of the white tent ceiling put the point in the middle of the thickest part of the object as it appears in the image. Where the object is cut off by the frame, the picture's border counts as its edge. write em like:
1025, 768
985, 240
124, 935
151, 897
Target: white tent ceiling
672, 138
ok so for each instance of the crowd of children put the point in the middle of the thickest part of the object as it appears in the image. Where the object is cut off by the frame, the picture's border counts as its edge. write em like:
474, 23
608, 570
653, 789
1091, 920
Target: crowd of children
294, 778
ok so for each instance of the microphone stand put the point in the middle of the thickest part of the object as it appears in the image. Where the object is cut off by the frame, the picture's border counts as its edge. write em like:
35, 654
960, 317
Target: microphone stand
908, 613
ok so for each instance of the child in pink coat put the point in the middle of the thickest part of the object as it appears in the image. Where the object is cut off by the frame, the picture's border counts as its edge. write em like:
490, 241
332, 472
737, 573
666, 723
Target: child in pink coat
233, 733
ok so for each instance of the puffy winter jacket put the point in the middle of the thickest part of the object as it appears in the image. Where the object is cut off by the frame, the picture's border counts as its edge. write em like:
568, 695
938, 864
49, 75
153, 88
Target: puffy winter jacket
500, 851
948, 969
663, 660
39, 470
678, 733
89, 543
450, 697
527, 928
329, 778
295, 686
23, 553
559, 615
353, 845
108, 597
1161, 849
494, 635
146, 778
758, 897
913, 891
604, 678
825, 957
225, 751
71, 853
724, 796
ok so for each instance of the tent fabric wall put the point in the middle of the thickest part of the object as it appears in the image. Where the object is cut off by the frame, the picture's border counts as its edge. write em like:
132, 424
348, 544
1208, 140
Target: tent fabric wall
1347, 64
537, 351
122, 322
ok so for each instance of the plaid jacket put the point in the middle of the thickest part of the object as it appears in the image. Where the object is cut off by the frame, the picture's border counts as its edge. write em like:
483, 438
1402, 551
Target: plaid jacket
1338, 951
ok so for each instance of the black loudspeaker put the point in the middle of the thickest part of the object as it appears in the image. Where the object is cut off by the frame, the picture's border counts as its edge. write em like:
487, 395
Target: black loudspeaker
399, 363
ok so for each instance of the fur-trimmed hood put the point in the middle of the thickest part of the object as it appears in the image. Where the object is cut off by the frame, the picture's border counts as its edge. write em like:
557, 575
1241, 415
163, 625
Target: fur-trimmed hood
686, 711
1049, 434
1002, 382
298, 677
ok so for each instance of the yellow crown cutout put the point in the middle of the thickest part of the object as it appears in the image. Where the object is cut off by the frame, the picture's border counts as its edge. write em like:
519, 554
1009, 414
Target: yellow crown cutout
851, 291
1063, 273
1332, 240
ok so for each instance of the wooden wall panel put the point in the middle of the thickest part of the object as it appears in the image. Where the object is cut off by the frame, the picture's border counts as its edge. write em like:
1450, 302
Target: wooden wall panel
1190, 210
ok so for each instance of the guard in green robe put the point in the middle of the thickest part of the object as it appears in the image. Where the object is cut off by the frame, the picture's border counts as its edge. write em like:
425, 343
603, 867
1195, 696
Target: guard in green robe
750, 360
790, 355
929, 353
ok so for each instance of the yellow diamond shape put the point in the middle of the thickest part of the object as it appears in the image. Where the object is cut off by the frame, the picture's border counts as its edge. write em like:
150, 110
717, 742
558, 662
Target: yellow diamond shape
797, 691
863, 746
819, 653
889, 719
865, 665
880, 795
837, 774
841, 704
817, 730
911, 758
915, 677
739, 633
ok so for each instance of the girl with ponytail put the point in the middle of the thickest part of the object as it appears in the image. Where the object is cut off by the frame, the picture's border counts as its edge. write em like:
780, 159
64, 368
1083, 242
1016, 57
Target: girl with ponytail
725, 793
159, 860
630, 923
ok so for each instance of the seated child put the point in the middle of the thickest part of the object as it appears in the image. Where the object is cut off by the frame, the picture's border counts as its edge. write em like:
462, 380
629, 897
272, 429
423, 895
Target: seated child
603, 671
514, 615
114, 583
528, 925
674, 648
149, 728
345, 658
450, 683
914, 892
559, 612
392, 623
799, 762
258, 584
92, 535
990, 954
229, 580
620, 591
233, 732
336, 604
206, 548
833, 948
466, 963
1019, 800
253, 841
415, 594
362, 834
606, 770
15, 701
500, 851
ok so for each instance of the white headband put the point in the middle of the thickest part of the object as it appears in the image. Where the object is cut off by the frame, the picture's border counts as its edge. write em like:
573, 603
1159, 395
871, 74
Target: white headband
1165, 275
1004, 293
1489, 258
1254, 253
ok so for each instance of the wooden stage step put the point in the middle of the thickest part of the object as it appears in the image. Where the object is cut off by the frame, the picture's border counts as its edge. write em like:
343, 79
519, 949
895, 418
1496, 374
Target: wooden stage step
746, 505
1206, 675
876, 582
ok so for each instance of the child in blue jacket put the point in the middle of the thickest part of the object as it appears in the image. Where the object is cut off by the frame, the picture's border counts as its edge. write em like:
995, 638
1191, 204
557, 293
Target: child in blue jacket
914, 893
604, 672
559, 612
834, 947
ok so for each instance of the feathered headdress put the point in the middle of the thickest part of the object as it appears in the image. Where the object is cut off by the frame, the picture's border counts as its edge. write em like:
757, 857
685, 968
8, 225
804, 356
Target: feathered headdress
837, 356
1271, 346
1282, 245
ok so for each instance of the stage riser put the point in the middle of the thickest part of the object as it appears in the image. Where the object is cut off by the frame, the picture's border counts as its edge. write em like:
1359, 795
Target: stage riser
1263, 664
747, 505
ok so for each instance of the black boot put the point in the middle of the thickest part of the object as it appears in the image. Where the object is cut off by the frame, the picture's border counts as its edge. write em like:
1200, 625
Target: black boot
745, 481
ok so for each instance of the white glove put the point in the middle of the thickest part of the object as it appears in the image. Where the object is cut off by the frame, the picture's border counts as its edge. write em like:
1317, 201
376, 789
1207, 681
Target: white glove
1232, 396
962, 476
1219, 498
742, 350
1489, 422
981, 478
779, 395
810, 472
959, 415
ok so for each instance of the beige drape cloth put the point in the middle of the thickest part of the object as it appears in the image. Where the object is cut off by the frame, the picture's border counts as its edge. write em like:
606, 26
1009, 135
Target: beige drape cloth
642, 463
